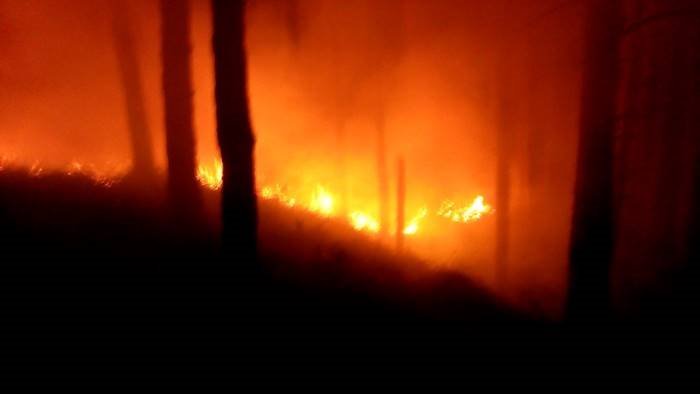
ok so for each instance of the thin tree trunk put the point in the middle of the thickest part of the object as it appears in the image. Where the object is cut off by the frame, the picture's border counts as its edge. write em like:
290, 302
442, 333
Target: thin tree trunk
382, 176
235, 135
127, 61
400, 202
503, 168
592, 230
183, 188
342, 166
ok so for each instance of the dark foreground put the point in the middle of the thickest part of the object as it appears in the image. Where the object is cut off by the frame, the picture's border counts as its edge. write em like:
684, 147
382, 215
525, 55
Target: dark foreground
98, 286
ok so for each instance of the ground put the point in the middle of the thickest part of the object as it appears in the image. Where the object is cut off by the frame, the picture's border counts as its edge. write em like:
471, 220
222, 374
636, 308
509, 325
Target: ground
100, 273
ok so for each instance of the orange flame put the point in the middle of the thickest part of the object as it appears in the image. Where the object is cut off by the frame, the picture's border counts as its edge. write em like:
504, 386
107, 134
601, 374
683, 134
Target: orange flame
322, 201
470, 213
211, 177
361, 221
414, 223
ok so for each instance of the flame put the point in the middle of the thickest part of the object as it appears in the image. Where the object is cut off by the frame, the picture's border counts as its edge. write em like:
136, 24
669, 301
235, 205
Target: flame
102, 177
414, 223
470, 213
361, 221
36, 169
277, 193
212, 176
105, 176
322, 201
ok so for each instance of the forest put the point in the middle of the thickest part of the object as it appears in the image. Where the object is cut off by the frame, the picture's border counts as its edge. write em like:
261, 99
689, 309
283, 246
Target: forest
186, 184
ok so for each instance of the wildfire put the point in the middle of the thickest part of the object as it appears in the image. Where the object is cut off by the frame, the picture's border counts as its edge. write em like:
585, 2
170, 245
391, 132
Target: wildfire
414, 223
211, 176
322, 201
277, 193
102, 177
470, 213
361, 221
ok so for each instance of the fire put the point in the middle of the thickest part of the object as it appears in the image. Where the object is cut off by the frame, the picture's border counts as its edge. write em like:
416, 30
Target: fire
106, 176
36, 169
211, 177
414, 223
322, 201
470, 213
361, 221
101, 177
277, 193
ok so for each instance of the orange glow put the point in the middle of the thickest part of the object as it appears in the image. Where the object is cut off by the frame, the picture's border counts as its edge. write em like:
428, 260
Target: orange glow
277, 193
414, 223
322, 201
211, 176
102, 177
469, 213
106, 176
361, 221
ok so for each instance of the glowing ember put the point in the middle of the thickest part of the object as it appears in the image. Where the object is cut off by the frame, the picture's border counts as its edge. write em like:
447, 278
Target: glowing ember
361, 221
470, 213
414, 223
322, 202
211, 176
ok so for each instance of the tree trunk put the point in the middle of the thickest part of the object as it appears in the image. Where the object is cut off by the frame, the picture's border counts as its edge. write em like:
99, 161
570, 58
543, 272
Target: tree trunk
127, 61
382, 176
592, 223
400, 202
183, 189
503, 168
235, 135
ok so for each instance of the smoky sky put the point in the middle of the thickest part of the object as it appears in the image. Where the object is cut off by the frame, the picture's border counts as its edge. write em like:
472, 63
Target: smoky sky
441, 77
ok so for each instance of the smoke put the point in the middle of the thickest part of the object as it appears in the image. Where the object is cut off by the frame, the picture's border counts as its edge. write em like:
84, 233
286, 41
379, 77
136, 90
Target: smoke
323, 76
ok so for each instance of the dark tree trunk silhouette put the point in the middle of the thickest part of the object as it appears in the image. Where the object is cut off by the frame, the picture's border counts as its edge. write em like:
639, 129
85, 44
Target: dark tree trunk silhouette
293, 21
183, 189
234, 131
592, 229
388, 48
400, 202
658, 149
382, 176
342, 162
503, 169
127, 59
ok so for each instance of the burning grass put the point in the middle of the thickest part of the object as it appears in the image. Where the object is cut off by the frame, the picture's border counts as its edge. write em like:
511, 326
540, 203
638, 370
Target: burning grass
320, 200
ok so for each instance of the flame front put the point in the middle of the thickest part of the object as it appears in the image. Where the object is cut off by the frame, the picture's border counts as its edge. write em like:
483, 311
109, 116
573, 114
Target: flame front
414, 223
321, 200
277, 193
361, 221
470, 213
211, 177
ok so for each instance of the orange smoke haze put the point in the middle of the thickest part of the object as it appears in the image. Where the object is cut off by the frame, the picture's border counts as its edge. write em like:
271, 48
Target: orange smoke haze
324, 77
